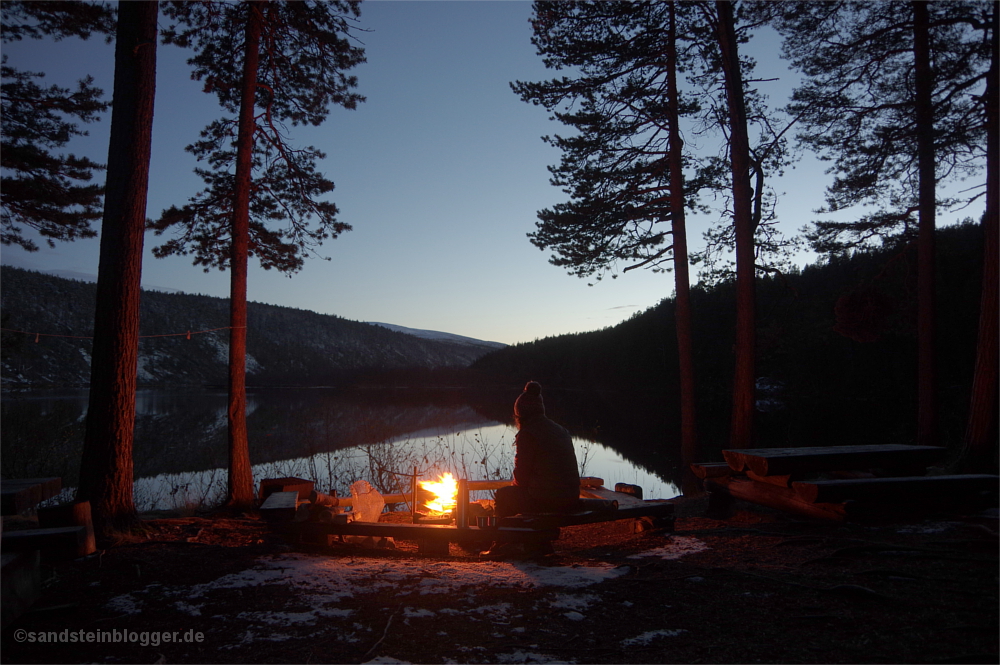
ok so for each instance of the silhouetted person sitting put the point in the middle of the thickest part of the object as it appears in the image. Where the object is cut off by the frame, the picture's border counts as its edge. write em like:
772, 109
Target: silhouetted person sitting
546, 478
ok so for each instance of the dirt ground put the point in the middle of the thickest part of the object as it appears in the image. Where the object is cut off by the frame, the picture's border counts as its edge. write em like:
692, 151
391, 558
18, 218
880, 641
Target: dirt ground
758, 586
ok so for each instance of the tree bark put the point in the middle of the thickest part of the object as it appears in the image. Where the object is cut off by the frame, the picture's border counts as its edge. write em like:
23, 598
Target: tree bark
741, 431
240, 486
682, 284
106, 474
979, 453
927, 434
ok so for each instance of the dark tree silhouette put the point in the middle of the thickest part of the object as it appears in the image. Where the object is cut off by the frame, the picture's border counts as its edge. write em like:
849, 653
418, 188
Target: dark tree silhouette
624, 166
106, 476
39, 189
890, 97
268, 63
744, 376
979, 453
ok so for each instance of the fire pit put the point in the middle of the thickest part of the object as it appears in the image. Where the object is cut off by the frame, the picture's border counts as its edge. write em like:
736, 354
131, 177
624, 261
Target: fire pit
442, 501
440, 518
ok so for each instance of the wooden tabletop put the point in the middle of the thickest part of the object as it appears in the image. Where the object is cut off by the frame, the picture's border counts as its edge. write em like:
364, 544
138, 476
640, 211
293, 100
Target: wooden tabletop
783, 461
20, 494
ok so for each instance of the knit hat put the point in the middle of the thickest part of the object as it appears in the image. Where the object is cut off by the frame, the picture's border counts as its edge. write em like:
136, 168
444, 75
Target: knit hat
530, 402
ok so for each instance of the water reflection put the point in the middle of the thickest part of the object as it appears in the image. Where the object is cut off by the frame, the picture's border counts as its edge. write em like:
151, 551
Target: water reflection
333, 437
484, 453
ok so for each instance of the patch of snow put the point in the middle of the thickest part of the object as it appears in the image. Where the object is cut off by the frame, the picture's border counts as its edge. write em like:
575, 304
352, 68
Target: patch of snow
677, 547
574, 616
143, 374
291, 618
526, 657
937, 527
252, 365
574, 601
322, 581
498, 612
125, 603
250, 637
386, 660
451, 577
187, 608
646, 638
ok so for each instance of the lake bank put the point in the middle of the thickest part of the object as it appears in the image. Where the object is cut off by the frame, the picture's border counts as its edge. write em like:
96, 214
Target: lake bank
757, 586
334, 437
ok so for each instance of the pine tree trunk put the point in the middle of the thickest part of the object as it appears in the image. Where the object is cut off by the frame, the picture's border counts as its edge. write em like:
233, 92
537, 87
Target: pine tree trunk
924, 81
682, 297
240, 473
741, 432
979, 454
106, 474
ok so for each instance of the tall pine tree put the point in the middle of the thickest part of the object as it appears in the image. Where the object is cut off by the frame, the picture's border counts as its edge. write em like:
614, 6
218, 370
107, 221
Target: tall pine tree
624, 165
891, 98
979, 453
106, 476
744, 376
268, 63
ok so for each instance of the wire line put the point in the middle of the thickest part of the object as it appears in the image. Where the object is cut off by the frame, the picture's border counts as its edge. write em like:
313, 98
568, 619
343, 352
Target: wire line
187, 333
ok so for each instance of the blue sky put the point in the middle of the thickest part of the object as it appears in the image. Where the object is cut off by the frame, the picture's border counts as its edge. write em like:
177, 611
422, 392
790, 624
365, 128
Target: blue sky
441, 173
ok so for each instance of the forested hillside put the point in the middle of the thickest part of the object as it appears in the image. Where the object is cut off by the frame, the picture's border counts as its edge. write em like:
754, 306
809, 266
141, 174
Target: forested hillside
836, 348
285, 346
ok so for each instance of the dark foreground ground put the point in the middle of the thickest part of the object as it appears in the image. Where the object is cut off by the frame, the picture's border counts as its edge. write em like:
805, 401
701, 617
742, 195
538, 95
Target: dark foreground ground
759, 586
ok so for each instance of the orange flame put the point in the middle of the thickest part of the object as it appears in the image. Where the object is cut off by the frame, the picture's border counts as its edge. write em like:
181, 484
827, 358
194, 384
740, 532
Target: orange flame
445, 491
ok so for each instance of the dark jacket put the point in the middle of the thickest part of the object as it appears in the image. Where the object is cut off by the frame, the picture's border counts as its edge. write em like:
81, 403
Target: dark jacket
545, 462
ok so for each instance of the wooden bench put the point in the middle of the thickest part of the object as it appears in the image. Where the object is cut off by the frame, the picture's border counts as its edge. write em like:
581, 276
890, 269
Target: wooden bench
68, 540
784, 478
649, 515
23, 549
920, 489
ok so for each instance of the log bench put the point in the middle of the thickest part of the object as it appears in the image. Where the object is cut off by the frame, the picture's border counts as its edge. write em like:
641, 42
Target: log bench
786, 479
648, 515
598, 504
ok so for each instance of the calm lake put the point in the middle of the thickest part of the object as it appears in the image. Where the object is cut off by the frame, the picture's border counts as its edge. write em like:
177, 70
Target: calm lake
336, 436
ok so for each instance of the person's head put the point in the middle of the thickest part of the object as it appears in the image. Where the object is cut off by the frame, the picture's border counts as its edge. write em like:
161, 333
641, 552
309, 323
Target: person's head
529, 405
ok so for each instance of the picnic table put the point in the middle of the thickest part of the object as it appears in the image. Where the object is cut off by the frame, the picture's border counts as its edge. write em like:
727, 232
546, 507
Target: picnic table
65, 532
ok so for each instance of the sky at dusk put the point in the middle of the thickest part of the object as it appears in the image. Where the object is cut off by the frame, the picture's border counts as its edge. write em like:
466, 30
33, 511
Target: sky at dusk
441, 173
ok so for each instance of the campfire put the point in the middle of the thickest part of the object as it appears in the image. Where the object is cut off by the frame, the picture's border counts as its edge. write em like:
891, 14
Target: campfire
444, 495
441, 501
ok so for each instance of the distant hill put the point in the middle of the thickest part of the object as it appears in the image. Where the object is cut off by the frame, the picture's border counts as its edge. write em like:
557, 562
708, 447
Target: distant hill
434, 334
285, 346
